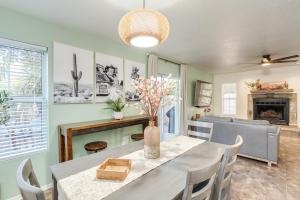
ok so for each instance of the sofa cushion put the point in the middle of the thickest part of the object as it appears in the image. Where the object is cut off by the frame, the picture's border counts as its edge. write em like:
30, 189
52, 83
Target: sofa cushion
216, 118
254, 122
255, 140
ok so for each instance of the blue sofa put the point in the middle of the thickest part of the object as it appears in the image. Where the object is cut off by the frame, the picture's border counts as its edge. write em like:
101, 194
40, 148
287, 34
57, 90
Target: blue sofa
261, 140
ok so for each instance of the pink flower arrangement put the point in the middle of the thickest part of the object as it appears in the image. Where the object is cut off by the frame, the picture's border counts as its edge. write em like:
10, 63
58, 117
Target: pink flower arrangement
155, 93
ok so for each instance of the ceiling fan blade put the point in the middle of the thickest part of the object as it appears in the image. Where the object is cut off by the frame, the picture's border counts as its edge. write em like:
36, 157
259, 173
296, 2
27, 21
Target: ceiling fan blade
285, 58
283, 61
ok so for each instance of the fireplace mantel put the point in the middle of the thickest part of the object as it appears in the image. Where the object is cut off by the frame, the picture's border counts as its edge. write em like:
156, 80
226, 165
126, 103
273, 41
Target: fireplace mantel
292, 96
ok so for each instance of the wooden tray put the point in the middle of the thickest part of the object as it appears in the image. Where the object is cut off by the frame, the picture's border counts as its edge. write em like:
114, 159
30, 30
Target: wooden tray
114, 169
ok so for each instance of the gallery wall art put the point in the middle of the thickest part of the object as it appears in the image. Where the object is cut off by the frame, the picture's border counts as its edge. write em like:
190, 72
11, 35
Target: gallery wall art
133, 71
72, 74
109, 77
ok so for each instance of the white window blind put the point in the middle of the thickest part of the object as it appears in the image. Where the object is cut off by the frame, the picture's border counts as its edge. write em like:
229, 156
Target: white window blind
229, 98
23, 73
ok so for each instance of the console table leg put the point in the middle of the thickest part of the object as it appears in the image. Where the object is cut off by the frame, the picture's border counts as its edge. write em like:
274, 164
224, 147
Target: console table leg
69, 144
55, 193
62, 147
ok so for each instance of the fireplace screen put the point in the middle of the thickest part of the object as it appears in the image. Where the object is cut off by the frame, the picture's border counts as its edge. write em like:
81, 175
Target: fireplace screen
276, 111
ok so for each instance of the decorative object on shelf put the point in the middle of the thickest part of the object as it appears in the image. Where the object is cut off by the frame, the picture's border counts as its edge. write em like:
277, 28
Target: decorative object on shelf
154, 93
114, 169
109, 77
203, 94
144, 27
207, 110
117, 106
72, 74
4, 107
267, 87
276, 85
253, 85
133, 71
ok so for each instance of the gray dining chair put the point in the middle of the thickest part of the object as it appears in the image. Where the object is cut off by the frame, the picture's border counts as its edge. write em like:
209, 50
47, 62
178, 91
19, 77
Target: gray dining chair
200, 129
28, 183
222, 184
203, 177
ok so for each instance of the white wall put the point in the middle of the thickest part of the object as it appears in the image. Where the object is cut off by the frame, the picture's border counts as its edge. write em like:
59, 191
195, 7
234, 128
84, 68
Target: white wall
290, 74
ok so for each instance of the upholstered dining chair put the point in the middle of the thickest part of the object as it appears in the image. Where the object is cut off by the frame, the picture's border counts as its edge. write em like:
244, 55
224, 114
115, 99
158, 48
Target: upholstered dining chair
222, 184
28, 183
204, 178
199, 129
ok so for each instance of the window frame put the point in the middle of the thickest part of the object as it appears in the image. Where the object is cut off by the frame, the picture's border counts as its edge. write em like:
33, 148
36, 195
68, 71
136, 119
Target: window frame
43, 99
223, 99
166, 135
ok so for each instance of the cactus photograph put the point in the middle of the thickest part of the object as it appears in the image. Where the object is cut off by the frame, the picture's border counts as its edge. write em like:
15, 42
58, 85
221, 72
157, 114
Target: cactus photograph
73, 74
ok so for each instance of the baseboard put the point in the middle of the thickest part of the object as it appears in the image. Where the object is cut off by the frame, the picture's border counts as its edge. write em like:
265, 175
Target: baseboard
44, 188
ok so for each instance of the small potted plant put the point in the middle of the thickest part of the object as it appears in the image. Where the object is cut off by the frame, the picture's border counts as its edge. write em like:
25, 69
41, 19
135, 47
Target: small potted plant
116, 106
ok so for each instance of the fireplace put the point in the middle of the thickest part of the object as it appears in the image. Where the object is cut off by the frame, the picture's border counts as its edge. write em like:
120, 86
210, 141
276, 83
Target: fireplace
276, 111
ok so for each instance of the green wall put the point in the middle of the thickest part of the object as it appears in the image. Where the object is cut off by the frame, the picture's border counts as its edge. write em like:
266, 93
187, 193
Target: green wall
194, 74
28, 29
31, 30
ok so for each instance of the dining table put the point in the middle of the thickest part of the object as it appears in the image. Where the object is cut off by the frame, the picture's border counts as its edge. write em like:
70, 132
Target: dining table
164, 182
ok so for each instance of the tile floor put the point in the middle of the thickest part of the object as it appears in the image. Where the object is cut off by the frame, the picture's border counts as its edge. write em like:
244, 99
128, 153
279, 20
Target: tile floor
254, 180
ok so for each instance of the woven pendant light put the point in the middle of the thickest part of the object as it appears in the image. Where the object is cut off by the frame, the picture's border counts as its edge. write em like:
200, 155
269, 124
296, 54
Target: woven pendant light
144, 27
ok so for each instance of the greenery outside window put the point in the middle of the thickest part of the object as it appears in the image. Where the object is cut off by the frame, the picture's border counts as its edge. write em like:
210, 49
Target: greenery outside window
23, 74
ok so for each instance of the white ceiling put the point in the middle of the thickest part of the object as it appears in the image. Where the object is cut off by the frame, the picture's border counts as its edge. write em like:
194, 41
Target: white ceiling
217, 35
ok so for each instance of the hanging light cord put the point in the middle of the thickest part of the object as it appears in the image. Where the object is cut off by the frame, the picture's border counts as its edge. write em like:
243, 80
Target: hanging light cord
144, 3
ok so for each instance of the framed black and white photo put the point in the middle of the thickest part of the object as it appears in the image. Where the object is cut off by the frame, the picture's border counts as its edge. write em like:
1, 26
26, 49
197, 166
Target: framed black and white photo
109, 77
72, 74
133, 71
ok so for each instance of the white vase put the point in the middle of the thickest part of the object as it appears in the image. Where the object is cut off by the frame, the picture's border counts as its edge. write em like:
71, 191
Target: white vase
152, 141
118, 115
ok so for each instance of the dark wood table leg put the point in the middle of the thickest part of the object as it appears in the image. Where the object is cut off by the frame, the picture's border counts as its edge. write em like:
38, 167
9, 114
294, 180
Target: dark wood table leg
145, 125
55, 193
69, 144
62, 146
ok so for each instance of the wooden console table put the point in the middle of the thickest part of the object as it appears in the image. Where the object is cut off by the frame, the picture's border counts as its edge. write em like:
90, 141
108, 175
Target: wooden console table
67, 131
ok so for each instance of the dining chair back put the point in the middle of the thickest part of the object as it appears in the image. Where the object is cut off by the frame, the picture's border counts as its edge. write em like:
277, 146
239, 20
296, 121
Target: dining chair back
28, 183
223, 181
203, 177
200, 129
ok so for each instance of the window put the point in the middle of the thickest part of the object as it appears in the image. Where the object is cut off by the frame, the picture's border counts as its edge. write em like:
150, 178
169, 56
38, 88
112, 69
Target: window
229, 98
23, 74
168, 116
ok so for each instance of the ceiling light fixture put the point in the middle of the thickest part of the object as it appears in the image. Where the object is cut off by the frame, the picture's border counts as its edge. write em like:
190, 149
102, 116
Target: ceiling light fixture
144, 27
265, 64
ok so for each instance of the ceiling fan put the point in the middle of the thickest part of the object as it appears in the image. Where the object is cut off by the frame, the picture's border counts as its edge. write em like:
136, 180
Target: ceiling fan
267, 60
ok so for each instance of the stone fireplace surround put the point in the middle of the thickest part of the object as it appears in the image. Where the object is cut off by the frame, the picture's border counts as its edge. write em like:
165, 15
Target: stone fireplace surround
282, 95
